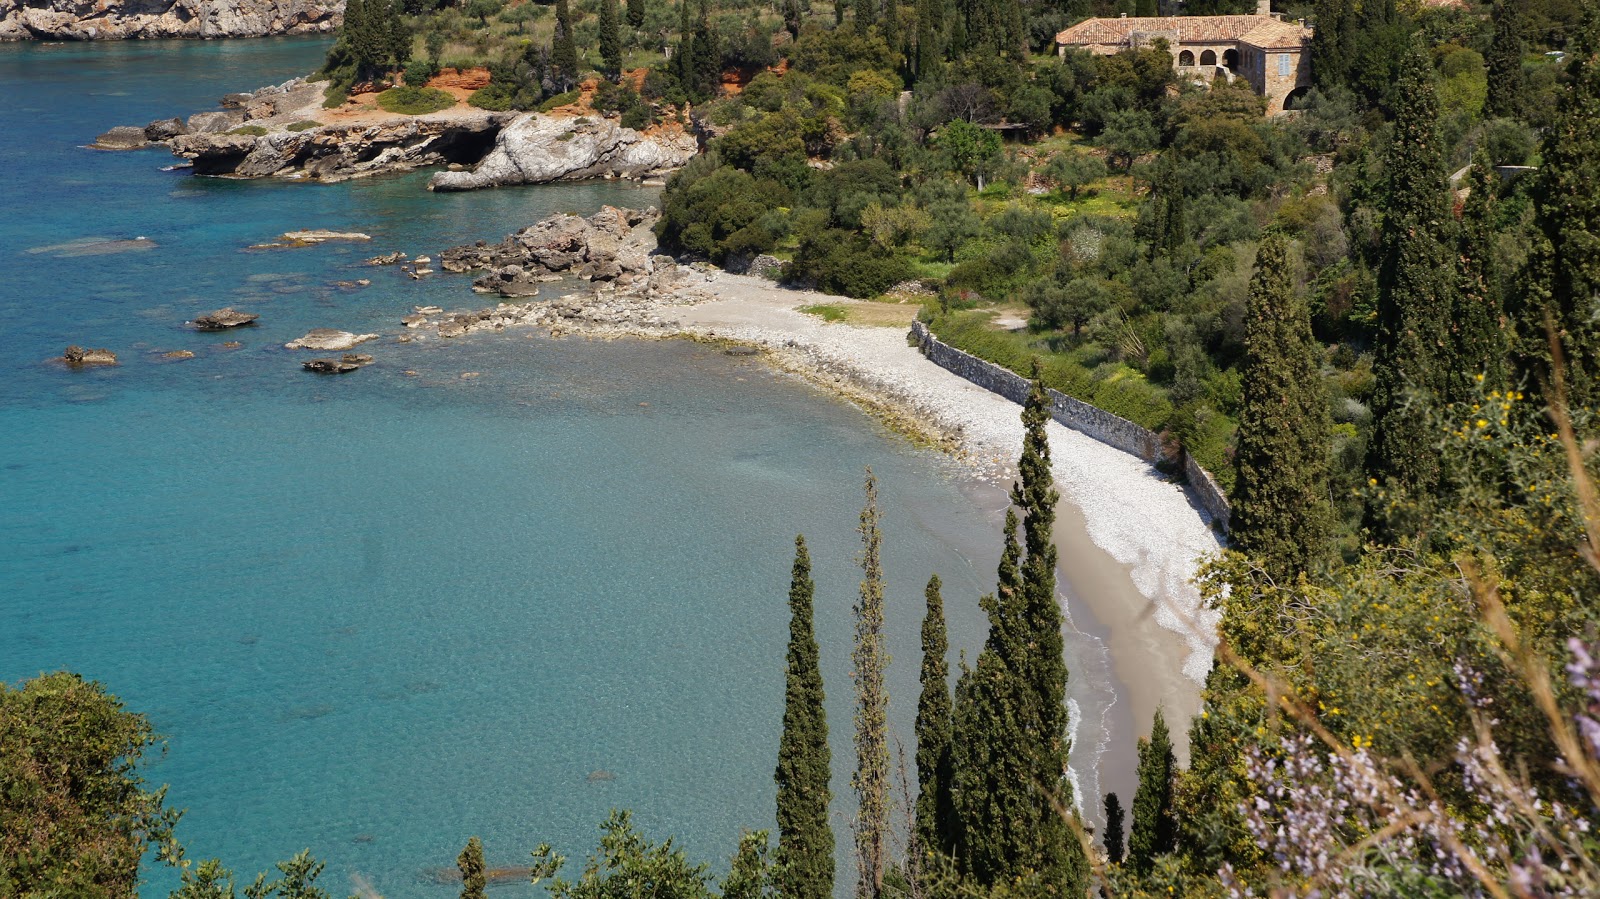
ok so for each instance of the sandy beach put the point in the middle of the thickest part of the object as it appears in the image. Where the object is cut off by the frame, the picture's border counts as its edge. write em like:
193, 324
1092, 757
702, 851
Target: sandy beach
1128, 583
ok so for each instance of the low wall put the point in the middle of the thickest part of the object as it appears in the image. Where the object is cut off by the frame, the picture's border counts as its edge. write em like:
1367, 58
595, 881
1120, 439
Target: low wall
1109, 429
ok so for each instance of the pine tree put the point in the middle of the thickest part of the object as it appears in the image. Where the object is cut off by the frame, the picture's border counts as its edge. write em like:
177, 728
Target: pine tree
1414, 286
805, 836
564, 56
1154, 828
1114, 829
1281, 511
1507, 85
1477, 336
636, 13
470, 862
610, 38
1565, 269
869, 661
934, 815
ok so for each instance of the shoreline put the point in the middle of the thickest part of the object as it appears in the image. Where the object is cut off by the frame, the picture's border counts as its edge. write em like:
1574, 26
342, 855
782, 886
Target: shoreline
1129, 540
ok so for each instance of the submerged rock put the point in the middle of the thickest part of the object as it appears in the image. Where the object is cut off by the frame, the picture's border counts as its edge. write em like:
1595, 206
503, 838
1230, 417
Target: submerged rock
223, 319
315, 236
178, 354
328, 339
356, 359
329, 366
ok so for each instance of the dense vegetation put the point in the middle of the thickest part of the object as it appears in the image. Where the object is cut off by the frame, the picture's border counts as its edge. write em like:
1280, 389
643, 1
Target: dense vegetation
1394, 370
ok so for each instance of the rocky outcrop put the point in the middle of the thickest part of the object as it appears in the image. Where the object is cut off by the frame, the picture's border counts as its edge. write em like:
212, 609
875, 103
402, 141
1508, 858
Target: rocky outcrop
122, 137
328, 339
536, 149
88, 20
340, 152
613, 245
223, 319
78, 357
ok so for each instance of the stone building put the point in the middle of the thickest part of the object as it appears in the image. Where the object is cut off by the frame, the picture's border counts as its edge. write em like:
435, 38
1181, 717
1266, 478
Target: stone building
1270, 54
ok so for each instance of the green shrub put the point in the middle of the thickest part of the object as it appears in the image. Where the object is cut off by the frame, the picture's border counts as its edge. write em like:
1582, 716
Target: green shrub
251, 130
335, 96
304, 125
495, 98
638, 117
414, 100
842, 262
419, 72
559, 100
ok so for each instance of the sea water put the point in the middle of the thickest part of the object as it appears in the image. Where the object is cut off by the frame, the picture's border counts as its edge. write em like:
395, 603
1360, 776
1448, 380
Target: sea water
494, 587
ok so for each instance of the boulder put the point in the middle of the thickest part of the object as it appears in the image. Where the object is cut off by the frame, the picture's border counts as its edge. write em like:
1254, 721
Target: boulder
536, 148
329, 339
329, 366
215, 122
165, 129
178, 354
122, 137
76, 356
356, 359
223, 319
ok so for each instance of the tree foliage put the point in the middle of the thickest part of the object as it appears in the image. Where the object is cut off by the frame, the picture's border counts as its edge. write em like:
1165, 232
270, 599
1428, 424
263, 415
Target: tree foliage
805, 836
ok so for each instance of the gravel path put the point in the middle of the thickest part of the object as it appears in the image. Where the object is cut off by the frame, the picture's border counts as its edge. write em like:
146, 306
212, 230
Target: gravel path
1133, 513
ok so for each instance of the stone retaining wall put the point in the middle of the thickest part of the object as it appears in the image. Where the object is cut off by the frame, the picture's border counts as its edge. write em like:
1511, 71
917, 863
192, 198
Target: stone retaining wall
1109, 429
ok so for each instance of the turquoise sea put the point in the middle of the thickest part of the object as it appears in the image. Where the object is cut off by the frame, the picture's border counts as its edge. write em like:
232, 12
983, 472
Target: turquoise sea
380, 613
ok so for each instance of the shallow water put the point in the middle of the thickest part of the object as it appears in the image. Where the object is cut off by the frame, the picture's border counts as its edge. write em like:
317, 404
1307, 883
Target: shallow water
496, 587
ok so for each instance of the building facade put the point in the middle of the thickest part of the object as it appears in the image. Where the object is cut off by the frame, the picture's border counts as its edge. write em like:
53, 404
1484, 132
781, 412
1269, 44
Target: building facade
1271, 55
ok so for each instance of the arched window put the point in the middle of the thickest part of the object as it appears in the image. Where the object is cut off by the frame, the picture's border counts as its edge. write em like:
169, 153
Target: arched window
1186, 58
1208, 57
1230, 58
1296, 98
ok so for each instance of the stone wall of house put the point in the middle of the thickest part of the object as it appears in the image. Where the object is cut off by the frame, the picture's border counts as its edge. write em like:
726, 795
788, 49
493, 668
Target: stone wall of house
1109, 429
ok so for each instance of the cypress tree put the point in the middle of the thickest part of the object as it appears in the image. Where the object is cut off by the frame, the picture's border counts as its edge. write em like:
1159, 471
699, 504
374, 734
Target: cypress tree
792, 15
707, 60
1114, 829
636, 13
1281, 510
1507, 86
473, 880
1330, 58
869, 661
610, 38
1565, 269
683, 59
564, 55
866, 15
929, 62
934, 815
805, 838
1477, 337
1414, 285
1154, 827
838, 12
891, 27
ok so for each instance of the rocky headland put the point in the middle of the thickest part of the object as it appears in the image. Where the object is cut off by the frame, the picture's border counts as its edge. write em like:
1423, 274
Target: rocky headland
91, 20
283, 131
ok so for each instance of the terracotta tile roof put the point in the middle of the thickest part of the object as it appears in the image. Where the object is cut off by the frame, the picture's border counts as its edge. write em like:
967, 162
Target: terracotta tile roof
1189, 29
1274, 34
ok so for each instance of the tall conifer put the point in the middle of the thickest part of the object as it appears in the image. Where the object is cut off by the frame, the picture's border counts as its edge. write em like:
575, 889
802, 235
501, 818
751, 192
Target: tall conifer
473, 879
866, 15
870, 660
929, 62
564, 54
934, 816
1565, 270
1507, 86
1414, 285
1477, 334
636, 13
610, 38
1113, 839
1154, 828
1281, 510
805, 836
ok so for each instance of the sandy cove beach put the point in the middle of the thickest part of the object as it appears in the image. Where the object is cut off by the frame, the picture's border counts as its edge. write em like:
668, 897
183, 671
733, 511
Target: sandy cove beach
1132, 589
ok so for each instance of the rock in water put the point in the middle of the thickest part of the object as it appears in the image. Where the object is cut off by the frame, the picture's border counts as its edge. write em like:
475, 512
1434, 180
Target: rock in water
122, 137
328, 339
320, 236
223, 319
77, 357
178, 354
329, 366
536, 148
356, 359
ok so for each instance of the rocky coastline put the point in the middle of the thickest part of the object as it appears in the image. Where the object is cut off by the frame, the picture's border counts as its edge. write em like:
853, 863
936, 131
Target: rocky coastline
282, 131
102, 20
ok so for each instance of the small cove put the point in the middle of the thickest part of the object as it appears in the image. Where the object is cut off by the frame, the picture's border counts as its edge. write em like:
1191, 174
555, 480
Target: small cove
378, 614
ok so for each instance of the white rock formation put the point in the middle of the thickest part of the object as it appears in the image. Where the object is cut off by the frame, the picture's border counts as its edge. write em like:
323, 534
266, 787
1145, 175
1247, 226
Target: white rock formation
536, 148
